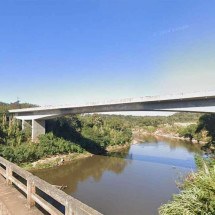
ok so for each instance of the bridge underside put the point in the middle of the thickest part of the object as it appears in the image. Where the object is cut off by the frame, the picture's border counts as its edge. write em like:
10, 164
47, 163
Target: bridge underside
39, 115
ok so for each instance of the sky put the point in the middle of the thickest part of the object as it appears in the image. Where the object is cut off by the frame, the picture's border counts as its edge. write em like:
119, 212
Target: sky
56, 52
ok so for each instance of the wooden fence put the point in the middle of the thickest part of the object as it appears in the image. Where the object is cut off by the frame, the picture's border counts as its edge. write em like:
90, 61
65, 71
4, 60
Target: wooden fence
35, 189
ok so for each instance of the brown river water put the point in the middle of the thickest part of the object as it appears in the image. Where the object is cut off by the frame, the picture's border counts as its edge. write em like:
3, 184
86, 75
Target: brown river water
134, 181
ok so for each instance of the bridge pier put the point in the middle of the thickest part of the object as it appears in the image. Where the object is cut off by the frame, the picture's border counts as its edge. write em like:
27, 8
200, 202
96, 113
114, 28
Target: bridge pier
25, 124
38, 128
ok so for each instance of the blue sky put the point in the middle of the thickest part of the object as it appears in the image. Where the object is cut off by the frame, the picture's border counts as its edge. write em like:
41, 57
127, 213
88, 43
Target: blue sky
75, 51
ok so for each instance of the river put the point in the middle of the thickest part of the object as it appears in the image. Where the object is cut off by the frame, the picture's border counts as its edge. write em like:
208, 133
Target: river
134, 181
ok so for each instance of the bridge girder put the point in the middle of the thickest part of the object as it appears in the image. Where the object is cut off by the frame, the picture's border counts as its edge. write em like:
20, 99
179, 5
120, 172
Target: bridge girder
197, 103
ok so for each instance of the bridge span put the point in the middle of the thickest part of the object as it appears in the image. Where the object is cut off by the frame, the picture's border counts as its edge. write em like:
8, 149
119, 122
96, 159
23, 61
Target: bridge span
202, 102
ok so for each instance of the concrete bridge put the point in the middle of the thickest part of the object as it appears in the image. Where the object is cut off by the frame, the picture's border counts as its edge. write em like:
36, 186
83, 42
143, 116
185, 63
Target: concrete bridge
202, 102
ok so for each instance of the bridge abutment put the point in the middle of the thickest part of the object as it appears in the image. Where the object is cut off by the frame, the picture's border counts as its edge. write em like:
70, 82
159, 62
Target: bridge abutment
38, 128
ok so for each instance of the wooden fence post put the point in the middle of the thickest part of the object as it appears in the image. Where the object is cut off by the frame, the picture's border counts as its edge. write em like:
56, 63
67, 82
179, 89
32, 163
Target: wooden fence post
30, 190
8, 174
69, 208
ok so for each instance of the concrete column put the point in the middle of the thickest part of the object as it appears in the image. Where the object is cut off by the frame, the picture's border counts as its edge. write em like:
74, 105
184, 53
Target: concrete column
38, 128
25, 124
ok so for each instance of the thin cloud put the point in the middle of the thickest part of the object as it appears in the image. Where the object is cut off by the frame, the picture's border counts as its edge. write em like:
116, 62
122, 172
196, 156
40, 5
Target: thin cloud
172, 30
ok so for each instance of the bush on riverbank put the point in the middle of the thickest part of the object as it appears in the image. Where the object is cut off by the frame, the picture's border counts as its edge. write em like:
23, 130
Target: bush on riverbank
197, 196
207, 123
48, 145
188, 131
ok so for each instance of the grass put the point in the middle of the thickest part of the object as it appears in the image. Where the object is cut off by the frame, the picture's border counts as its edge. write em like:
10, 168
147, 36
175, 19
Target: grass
197, 196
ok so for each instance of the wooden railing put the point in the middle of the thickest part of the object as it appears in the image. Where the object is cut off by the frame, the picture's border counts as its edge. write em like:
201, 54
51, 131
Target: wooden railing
32, 186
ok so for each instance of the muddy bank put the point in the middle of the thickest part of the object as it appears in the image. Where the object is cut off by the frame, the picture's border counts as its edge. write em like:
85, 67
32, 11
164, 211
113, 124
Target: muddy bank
118, 147
55, 160
58, 160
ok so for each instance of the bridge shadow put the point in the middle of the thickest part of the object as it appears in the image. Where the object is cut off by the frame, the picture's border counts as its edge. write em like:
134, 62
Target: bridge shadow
62, 128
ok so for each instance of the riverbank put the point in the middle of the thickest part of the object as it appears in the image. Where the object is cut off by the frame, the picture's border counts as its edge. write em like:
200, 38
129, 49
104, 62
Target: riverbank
139, 133
59, 160
116, 148
55, 160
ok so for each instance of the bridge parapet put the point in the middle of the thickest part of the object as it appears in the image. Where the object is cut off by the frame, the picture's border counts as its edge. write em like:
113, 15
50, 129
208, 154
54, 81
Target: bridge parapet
35, 189
46, 111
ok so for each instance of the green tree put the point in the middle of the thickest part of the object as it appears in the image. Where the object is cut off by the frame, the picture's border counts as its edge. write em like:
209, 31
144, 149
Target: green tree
188, 132
207, 122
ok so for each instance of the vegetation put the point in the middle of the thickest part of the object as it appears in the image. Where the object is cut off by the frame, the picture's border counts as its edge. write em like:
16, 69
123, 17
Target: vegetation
198, 193
207, 123
188, 132
94, 133
4, 107
189, 126
29, 152
156, 121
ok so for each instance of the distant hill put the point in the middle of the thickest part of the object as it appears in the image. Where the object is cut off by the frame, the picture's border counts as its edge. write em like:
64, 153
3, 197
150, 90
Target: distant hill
157, 120
184, 117
2, 103
4, 107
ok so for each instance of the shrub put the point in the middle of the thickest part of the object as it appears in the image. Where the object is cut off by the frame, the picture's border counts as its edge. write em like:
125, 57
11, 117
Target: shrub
197, 196
188, 132
48, 145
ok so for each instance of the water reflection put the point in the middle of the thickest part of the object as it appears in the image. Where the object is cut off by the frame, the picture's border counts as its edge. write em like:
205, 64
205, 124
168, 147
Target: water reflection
80, 170
161, 150
172, 143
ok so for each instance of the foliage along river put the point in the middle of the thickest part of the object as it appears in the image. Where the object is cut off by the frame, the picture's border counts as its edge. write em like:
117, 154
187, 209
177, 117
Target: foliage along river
135, 181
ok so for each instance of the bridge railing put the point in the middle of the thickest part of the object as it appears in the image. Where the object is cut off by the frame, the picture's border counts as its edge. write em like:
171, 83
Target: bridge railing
37, 191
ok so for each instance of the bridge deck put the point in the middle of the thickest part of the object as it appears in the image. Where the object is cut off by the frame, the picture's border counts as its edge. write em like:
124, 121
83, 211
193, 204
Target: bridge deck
12, 202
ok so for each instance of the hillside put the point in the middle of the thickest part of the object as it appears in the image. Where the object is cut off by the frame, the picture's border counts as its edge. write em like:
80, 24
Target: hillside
4, 107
